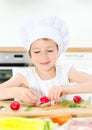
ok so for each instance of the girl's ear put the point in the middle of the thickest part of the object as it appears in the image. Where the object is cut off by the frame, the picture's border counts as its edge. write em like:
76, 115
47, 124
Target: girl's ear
29, 52
57, 47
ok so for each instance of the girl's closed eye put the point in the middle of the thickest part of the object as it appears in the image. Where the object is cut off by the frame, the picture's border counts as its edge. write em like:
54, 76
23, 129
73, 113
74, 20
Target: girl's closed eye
50, 50
36, 52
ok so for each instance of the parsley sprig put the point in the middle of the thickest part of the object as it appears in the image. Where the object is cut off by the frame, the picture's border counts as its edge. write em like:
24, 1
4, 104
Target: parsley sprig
70, 104
28, 107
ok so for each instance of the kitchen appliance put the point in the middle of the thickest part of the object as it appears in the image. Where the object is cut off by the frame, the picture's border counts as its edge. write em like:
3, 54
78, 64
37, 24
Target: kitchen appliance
9, 60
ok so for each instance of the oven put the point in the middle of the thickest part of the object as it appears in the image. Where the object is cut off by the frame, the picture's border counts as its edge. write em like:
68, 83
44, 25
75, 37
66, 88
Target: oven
10, 60
5, 74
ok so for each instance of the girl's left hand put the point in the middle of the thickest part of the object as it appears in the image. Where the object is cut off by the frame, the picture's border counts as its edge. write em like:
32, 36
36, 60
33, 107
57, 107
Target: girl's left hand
55, 93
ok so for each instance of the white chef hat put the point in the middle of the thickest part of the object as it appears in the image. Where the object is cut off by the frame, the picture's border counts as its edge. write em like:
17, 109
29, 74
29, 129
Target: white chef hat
50, 27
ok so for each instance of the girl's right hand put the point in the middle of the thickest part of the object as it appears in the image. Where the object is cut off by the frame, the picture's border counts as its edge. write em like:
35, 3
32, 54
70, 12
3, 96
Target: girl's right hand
55, 93
26, 95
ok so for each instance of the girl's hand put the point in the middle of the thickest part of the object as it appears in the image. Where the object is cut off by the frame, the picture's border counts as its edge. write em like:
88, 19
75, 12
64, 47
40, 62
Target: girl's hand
26, 95
55, 93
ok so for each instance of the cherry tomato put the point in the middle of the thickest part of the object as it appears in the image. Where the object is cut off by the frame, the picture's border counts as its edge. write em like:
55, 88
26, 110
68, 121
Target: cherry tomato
44, 99
77, 99
15, 105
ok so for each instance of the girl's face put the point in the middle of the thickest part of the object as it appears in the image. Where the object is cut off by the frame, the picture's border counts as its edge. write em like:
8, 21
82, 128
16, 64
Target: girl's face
44, 53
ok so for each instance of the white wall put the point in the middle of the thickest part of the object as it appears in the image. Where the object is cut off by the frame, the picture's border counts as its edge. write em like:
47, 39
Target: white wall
76, 13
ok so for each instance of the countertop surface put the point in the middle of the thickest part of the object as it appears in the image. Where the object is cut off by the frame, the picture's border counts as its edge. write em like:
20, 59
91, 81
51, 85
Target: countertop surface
85, 111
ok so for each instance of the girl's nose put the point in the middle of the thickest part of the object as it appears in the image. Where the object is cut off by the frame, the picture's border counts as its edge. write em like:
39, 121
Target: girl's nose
44, 55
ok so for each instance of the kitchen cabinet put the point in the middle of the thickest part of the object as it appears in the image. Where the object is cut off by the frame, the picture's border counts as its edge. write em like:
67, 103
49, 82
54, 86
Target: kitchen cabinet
21, 49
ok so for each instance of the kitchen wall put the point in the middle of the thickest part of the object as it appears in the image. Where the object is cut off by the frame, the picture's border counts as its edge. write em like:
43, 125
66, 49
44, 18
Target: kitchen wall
76, 13
81, 60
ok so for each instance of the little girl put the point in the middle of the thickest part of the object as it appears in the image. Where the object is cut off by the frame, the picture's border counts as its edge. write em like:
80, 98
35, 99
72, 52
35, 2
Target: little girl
45, 39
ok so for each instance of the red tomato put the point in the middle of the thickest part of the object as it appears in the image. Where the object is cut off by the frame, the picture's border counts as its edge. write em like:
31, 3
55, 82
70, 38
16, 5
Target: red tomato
77, 99
15, 105
44, 99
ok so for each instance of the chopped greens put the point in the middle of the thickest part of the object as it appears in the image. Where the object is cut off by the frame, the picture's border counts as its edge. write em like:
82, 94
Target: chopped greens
70, 104
28, 107
73, 105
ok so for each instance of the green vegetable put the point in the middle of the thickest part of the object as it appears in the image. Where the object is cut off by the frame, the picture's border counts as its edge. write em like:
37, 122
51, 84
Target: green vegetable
64, 102
50, 125
70, 104
28, 107
73, 105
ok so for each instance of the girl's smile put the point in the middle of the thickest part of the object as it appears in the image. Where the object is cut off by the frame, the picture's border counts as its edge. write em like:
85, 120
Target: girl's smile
45, 63
44, 53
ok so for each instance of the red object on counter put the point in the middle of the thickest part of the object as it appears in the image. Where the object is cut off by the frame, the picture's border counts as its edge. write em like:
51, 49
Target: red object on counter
77, 99
44, 99
15, 105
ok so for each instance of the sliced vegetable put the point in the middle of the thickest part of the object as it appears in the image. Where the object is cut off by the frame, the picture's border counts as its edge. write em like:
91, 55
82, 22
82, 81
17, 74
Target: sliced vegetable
61, 119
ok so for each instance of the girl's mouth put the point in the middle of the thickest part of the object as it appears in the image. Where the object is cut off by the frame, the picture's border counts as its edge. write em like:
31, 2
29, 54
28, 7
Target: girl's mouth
45, 63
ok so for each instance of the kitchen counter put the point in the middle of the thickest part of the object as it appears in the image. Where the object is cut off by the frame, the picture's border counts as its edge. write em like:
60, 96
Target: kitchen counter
84, 111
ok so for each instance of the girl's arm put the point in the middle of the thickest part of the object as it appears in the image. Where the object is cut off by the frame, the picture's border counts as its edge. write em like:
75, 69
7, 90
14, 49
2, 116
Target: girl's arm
17, 87
17, 80
85, 87
83, 82
23, 94
78, 76
8, 92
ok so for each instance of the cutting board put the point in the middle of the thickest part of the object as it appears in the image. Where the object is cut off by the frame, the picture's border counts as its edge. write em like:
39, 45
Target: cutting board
45, 111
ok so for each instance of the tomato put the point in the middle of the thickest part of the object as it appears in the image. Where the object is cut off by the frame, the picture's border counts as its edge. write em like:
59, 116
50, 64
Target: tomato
44, 99
77, 99
61, 119
15, 105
